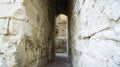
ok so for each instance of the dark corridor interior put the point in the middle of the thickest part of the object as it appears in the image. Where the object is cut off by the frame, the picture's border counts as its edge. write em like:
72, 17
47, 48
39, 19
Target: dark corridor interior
61, 7
61, 59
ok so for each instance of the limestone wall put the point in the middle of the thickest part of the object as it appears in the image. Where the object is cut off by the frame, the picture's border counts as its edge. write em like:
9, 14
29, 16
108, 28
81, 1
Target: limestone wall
26, 33
95, 33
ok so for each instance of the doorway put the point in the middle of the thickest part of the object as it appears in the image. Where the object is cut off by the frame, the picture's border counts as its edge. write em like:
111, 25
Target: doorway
61, 39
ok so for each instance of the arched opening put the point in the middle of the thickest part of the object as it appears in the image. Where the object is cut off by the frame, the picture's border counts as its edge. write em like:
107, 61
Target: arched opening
61, 39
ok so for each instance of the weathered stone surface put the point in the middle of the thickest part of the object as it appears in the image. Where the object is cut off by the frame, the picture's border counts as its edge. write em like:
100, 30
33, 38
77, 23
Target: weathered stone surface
28, 29
31, 55
25, 29
5, 1
96, 37
13, 10
4, 26
16, 26
7, 50
20, 27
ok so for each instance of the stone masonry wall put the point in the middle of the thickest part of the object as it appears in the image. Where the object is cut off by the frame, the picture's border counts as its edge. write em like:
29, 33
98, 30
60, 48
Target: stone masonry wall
95, 33
26, 33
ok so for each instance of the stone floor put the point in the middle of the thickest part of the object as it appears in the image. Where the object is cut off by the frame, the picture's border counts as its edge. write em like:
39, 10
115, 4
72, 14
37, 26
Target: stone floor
61, 60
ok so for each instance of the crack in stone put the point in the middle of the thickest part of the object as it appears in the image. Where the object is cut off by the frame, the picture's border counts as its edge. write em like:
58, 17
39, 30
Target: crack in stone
88, 37
110, 39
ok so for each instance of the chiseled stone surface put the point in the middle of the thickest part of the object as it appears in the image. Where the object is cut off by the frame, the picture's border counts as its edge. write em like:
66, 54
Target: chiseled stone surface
5, 1
8, 10
20, 27
96, 41
4, 26
26, 33
8, 47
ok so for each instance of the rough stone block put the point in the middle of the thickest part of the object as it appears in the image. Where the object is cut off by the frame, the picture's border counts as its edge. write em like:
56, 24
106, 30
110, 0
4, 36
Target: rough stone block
20, 27
22, 46
6, 1
28, 29
112, 11
31, 55
8, 44
22, 58
8, 48
4, 26
3, 62
15, 27
13, 10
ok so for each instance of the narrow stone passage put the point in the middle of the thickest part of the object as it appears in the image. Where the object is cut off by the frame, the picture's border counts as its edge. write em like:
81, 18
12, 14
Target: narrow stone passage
61, 60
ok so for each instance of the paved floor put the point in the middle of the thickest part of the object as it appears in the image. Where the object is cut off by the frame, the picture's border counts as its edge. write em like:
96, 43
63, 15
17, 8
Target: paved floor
61, 60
